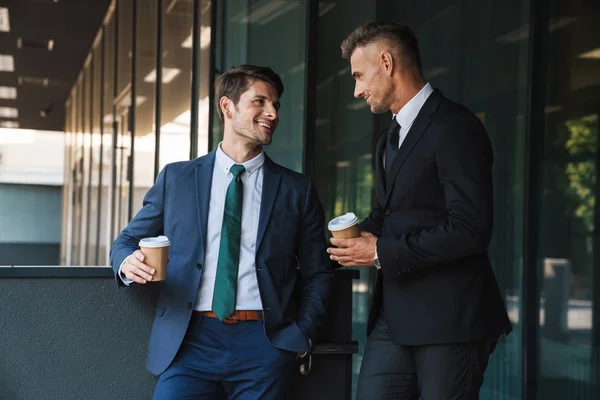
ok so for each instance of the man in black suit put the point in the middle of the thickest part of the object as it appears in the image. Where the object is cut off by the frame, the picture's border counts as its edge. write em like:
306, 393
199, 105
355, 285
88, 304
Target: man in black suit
437, 312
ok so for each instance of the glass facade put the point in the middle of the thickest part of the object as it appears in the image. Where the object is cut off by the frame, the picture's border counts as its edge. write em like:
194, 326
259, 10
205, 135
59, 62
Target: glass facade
530, 71
343, 141
176, 81
247, 36
146, 38
568, 244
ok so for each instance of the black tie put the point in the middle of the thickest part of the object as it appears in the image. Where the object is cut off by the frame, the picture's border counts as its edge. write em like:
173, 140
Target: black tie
393, 136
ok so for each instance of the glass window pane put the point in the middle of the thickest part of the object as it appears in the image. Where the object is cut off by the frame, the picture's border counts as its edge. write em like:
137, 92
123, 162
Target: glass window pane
249, 26
122, 163
204, 76
71, 171
125, 41
77, 168
343, 142
176, 81
465, 54
66, 192
87, 147
568, 249
105, 176
470, 53
145, 136
95, 154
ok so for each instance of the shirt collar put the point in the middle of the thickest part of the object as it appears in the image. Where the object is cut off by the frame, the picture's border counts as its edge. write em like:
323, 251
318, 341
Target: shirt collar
407, 114
225, 163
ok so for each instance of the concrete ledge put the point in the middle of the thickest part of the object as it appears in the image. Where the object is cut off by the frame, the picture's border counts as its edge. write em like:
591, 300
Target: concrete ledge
55, 272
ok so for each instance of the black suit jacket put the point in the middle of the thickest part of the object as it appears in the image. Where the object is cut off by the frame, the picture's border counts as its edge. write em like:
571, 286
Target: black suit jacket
434, 221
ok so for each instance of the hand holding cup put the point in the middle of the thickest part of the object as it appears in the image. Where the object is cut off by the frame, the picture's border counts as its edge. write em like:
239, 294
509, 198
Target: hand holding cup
150, 262
136, 270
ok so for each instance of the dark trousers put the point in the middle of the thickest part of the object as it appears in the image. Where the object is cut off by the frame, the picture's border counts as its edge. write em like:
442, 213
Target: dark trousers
433, 372
226, 361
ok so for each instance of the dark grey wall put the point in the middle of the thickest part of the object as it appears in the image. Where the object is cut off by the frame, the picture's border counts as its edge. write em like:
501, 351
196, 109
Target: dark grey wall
74, 338
69, 333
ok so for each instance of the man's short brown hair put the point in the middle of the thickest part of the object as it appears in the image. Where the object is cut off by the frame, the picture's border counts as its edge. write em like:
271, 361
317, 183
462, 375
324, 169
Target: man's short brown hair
401, 38
238, 79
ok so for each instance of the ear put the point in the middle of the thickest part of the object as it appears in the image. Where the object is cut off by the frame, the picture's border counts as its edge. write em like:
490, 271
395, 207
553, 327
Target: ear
225, 103
386, 61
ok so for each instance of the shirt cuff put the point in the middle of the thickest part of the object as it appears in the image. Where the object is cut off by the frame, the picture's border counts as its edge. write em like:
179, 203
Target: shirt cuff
126, 281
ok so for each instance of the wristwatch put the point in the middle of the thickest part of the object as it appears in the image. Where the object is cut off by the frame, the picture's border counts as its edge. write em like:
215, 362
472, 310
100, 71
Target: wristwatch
376, 262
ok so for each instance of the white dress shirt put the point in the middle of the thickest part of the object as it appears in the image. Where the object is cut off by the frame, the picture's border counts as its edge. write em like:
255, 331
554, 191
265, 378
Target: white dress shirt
407, 114
248, 296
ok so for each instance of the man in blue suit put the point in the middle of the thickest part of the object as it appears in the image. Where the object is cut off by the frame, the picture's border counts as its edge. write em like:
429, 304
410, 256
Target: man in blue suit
248, 274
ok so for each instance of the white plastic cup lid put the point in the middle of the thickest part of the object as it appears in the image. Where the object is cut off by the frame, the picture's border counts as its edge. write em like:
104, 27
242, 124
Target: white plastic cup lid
159, 241
342, 222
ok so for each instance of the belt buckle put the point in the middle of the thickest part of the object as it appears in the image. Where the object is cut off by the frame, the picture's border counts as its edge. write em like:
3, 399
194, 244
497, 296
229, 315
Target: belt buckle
232, 319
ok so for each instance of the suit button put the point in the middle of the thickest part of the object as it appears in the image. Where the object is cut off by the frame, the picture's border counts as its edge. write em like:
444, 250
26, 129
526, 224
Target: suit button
388, 213
189, 306
199, 266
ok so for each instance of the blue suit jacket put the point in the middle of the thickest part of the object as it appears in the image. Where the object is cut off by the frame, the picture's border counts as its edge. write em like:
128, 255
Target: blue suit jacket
293, 270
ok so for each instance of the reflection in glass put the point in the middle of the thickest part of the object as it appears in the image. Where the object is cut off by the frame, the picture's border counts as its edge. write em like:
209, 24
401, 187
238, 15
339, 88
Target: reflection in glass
125, 32
95, 154
145, 131
469, 52
105, 160
253, 29
122, 172
71, 171
343, 142
568, 248
488, 76
204, 76
65, 258
76, 168
86, 160
176, 82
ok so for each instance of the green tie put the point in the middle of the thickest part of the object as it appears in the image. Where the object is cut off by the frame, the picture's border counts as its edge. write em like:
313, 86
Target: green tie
223, 304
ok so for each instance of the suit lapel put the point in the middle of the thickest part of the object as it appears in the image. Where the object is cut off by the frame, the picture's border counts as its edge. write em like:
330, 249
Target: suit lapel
271, 180
379, 170
414, 134
204, 175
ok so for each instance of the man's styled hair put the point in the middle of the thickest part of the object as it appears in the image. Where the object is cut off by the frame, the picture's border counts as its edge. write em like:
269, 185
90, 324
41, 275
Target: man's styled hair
238, 79
401, 39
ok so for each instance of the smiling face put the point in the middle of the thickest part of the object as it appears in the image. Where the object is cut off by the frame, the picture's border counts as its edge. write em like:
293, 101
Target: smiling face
254, 118
372, 80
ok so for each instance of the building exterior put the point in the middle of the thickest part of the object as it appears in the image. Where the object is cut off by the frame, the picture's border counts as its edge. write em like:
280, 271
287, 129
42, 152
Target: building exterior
31, 182
530, 69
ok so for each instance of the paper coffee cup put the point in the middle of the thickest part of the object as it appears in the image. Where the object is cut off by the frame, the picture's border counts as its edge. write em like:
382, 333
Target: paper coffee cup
344, 227
156, 250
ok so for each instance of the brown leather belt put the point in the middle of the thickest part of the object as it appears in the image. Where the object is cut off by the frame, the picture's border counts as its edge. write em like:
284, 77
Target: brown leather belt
237, 316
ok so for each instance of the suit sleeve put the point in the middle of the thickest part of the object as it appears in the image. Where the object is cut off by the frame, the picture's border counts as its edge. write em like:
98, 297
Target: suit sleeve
464, 161
147, 223
316, 273
374, 222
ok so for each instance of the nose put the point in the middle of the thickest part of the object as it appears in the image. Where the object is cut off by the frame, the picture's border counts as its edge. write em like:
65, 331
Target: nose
358, 91
271, 112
